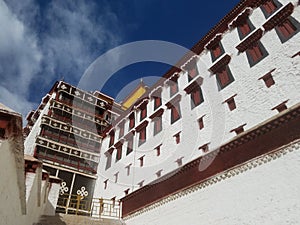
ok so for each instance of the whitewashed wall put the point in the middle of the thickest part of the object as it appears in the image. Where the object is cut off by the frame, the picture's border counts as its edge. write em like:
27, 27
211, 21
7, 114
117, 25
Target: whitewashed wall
266, 194
254, 102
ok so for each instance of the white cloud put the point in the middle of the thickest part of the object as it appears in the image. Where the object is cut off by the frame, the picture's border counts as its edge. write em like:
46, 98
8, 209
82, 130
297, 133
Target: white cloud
43, 44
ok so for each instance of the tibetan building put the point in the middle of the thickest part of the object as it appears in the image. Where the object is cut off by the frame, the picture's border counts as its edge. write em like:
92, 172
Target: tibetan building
214, 141
65, 134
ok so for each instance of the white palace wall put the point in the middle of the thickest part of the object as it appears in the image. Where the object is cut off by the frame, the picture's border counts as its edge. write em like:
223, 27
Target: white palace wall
254, 103
264, 194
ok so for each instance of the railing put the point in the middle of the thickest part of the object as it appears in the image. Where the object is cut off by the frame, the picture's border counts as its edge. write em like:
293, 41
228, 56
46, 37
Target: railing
93, 207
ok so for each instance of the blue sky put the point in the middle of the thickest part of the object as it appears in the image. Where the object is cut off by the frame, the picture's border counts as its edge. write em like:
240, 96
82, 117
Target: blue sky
43, 41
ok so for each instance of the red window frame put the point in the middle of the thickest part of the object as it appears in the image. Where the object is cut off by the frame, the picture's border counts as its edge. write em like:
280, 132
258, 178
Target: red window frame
157, 124
196, 97
175, 112
143, 113
129, 145
111, 138
142, 135
224, 77
269, 7
192, 73
157, 102
119, 152
131, 121
173, 87
108, 158
121, 130
287, 28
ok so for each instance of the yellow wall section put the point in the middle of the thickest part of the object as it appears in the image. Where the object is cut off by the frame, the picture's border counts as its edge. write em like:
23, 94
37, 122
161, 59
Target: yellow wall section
133, 97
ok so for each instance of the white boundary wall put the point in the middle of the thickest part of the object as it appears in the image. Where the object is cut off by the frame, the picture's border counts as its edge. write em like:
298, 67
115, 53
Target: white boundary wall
266, 194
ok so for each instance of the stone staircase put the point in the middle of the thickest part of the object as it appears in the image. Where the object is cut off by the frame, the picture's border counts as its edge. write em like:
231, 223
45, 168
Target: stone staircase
65, 219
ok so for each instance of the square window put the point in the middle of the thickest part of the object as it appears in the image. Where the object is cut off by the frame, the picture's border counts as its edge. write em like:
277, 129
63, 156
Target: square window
224, 77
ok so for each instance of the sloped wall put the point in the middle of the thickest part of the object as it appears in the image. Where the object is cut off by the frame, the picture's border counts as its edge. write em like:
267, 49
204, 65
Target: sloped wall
263, 191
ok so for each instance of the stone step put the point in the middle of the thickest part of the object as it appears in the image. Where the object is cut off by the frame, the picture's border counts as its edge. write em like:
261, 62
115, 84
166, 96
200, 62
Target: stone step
65, 219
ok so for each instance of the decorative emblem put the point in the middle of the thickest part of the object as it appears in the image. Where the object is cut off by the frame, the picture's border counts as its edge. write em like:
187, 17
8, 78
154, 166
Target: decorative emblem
55, 124
66, 127
77, 93
82, 192
53, 146
90, 98
44, 120
102, 104
63, 188
68, 109
65, 149
41, 142
63, 87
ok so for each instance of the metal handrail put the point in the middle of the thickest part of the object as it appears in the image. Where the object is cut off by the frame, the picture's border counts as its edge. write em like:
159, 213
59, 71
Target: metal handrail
93, 207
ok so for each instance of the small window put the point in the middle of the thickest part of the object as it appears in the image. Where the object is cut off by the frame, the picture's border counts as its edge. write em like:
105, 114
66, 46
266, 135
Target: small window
141, 184
112, 138
204, 148
231, 103
173, 87
157, 124
281, 107
224, 77
179, 161
158, 150
131, 121
121, 130
256, 53
126, 192
129, 145
128, 169
175, 112
116, 177
287, 29
108, 158
157, 102
177, 137
192, 73
143, 111
216, 51
141, 159
269, 7
119, 152
239, 129
201, 123
142, 136
268, 79
245, 28
158, 173
196, 97
105, 183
